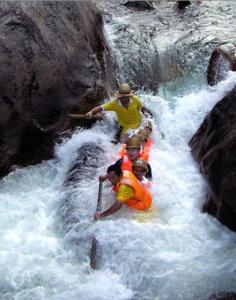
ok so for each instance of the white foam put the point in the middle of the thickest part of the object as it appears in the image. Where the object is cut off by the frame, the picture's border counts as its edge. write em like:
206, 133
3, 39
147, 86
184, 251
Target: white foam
174, 253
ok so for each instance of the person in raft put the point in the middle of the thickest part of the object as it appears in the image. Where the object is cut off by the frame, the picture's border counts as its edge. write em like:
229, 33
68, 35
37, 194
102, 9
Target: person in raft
148, 128
128, 109
131, 154
128, 191
144, 135
140, 169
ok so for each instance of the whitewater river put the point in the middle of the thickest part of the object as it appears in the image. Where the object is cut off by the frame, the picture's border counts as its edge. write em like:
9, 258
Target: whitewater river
174, 252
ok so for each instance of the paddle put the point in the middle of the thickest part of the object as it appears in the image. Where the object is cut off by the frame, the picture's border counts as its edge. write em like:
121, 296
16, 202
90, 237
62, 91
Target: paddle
98, 116
93, 262
78, 116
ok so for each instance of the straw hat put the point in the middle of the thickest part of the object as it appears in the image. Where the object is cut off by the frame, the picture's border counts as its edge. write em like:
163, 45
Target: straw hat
124, 91
133, 142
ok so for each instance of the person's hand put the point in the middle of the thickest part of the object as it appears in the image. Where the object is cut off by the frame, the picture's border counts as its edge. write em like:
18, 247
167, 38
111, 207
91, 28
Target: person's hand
102, 178
148, 114
97, 215
89, 115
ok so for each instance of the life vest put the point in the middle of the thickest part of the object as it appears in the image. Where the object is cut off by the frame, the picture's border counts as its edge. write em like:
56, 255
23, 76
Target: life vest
145, 183
126, 164
145, 151
142, 198
122, 152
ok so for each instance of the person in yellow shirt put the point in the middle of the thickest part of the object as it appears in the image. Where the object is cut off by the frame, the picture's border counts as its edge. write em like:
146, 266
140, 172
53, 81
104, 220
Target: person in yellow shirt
128, 109
128, 191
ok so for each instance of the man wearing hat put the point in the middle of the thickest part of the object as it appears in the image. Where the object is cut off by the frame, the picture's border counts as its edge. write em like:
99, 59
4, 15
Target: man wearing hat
133, 147
127, 107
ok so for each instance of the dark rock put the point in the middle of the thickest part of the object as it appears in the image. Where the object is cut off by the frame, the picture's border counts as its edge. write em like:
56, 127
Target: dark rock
214, 144
223, 59
140, 5
223, 296
214, 148
54, 60
183, 4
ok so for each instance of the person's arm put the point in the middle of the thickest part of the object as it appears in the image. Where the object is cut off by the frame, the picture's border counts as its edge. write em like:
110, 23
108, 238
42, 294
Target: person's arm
114, 208
146, 111
94, 111
140, 106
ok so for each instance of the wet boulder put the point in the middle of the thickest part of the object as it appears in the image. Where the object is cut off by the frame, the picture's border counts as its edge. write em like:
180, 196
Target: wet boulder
183, 4
139, 5
223, 296
214, 144
222, 59
214, 147
54, 60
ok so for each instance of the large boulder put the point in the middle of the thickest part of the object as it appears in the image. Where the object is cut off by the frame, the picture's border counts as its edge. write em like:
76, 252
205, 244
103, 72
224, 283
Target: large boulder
139, 5
182, 4
213, 147
223, 296
222, 59
214, 144
54, 60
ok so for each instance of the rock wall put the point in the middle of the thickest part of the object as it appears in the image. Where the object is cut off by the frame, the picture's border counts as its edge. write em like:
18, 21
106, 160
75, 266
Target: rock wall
214, 144
54, 60
222, 60
213, 147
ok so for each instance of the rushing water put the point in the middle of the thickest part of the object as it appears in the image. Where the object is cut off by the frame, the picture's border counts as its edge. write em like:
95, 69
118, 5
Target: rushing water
173, 252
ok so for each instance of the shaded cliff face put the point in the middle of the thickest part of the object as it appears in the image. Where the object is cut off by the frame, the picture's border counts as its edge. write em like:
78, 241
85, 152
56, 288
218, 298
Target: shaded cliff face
214, 146
222, 59
54, 60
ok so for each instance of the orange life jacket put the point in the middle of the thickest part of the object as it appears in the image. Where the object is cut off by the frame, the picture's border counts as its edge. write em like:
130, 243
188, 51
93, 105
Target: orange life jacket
122, 152
146, 184
142, 198
145, 152
126, 164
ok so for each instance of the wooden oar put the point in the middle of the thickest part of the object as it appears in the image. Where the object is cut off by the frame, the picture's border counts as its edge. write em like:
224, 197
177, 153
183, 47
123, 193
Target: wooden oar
97, 116
93, 254
78, 116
